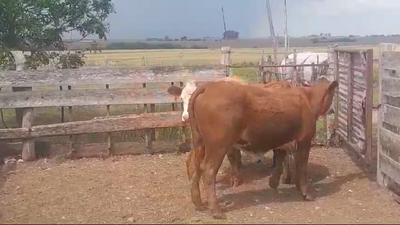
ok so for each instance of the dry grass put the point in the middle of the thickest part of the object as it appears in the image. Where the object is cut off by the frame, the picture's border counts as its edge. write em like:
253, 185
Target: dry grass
134, 58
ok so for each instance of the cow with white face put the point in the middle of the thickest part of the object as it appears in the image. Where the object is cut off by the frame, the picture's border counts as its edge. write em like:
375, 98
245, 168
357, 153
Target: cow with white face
185, 93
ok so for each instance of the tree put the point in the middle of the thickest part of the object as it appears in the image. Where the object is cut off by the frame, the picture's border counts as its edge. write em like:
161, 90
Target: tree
38, 26
230, 35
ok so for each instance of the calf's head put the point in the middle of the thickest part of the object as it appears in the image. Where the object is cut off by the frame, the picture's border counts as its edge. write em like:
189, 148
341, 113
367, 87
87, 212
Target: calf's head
184, 93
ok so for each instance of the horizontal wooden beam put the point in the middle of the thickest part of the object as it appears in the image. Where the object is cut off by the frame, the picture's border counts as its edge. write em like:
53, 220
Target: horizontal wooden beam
390, 143
391, 85
391, 61
85, 97
389, 167
391, 115
103, 76
97, 125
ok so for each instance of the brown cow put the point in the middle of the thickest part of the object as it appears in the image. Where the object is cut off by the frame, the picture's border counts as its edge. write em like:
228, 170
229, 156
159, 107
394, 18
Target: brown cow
223, 113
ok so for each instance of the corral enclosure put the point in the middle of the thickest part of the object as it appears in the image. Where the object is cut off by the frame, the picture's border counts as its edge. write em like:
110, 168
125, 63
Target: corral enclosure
341, 181
111, 110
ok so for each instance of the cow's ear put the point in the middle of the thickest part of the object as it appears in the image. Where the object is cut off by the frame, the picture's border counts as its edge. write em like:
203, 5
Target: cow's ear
175, 91
333, 86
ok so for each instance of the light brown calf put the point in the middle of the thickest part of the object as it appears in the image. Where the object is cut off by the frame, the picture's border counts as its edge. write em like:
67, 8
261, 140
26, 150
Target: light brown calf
223, 113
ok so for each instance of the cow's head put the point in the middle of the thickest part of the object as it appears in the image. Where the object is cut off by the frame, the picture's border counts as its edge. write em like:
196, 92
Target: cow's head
184, 93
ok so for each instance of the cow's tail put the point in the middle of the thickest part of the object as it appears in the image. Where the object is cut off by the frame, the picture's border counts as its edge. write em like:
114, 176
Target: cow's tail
196, 137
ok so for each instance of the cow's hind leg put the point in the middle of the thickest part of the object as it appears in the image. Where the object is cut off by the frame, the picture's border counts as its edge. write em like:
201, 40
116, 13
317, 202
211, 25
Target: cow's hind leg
277, 172
302, 155
289, 175
235, 159
194, 173
209, 167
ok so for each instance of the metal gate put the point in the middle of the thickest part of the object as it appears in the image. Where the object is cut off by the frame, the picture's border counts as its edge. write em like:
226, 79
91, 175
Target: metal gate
388, 171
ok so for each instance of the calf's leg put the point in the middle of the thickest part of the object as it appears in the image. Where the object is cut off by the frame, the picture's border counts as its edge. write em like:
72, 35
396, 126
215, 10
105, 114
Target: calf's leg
302, 155
235, 160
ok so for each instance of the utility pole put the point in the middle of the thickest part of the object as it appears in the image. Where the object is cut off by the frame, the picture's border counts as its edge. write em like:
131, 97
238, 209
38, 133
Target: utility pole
272, 31
223, 17
286, 30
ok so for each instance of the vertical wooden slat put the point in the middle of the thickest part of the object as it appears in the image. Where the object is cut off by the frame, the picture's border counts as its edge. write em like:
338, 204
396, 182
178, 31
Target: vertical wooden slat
350, 93
379, 176
370, 155
336, 74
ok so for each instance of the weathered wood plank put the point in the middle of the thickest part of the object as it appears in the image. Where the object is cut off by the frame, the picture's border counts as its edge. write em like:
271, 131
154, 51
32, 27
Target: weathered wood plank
103, 76
391, 143
391, 100
97, 125
391, 115
389, 167
390, 85
85, 97
391, 61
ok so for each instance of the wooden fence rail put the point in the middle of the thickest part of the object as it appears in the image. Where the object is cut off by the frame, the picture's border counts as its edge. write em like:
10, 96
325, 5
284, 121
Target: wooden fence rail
154, 82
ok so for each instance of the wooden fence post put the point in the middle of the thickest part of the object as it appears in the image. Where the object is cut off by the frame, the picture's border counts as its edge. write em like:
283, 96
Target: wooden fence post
226, 59
109, 137
148, 135
24, 116
180, 58
295, 77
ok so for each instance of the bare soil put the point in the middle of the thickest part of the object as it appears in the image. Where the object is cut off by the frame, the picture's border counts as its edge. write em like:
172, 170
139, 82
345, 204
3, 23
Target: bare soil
155, 189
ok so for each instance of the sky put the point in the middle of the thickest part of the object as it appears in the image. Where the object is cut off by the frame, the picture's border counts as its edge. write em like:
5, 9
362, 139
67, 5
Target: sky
140, 19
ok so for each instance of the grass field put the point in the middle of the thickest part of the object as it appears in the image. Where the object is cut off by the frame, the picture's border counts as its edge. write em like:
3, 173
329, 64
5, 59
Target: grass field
134, 58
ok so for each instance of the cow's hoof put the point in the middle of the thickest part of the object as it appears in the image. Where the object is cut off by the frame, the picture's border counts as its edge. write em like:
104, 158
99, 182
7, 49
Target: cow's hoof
200, 208
273, 183
287, 181
219, 215
235, 181
308, 197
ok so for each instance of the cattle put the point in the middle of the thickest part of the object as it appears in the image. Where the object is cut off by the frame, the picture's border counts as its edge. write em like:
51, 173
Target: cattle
224, 113
186, 92
305, 58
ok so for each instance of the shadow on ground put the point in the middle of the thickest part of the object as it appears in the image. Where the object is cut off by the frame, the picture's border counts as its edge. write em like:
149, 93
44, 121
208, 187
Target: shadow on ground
288, 193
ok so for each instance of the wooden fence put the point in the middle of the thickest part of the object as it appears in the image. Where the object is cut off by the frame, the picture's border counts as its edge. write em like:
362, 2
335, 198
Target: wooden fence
29, 92
388, 172
353, 70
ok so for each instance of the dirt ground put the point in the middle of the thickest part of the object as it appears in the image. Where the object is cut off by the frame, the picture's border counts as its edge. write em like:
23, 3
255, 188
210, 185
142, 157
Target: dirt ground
155, 189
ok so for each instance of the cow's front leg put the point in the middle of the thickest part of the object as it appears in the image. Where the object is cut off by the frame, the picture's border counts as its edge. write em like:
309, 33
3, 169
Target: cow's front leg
235, 160
302, 155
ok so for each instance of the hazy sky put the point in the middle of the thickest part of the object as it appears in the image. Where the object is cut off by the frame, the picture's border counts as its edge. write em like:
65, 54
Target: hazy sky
138, 19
